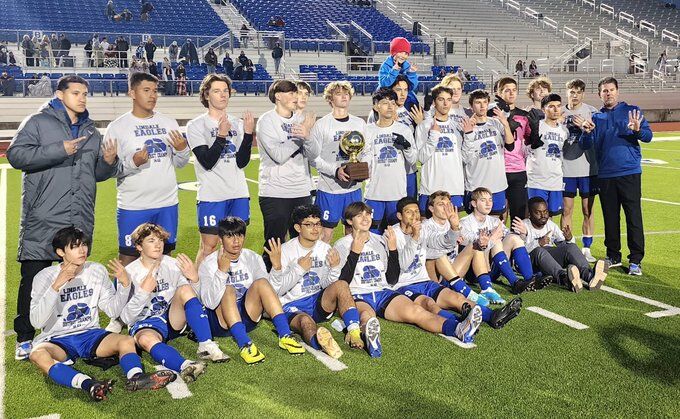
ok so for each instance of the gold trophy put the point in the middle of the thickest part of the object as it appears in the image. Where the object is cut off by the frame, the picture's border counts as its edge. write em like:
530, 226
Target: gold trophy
352, 143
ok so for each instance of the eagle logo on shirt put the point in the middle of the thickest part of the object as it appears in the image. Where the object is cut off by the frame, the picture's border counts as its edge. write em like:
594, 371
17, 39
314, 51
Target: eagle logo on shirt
415, 265
155, 145
158, 305
77, 311
310, 282
370, 275
553, 151
388, 154
487, 149
445, 145
228, 151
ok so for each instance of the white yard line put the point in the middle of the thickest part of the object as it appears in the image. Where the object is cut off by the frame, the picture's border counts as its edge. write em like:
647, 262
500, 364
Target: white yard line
330, 363
50, 416
661, 167
638, 298
458, 342
560, 319
659, 149
647, 233
252, 181
3, 281
178, 389
663, 313
660, 201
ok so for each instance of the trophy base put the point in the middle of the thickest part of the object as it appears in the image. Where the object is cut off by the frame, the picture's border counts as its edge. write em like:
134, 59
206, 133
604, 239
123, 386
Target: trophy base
357, 171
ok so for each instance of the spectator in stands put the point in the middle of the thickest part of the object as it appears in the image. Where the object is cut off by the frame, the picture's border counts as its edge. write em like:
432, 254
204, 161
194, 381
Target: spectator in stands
153, 69
29, 50
188, 52
45, 52
110, 10
228, 65
145, 65
244, 36
55, 46
122, 46
136, 66
11, 59
111, 57
533, 69
43, 88
525, 69
210, 60
661, 62
3, 55
105, 44
277, 54
126, 15
250, 70
97, 53
147, 8
64, 48
181, 76
277, 22
242, 58
149, 49
168, 77
7, 84
397, 63
238, 71
139, 52
173, 52
519, 69
36, 47
441, 74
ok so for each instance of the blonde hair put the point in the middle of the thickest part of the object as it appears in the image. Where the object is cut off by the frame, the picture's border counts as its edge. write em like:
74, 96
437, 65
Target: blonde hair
147, 229
335, 85
539, 82
450, 78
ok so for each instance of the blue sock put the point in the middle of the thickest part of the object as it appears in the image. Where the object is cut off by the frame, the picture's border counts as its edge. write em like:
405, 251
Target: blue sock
484, 281
131, 363
500, 262
167, 356
314, 343
587, 241
446, 314
238, 332
521, 258
460, 286
281, 325
63, 375
449, 326
486, 314
197, 319
351, 316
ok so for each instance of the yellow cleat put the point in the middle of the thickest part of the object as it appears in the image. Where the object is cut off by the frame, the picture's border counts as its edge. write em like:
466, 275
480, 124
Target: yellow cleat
251, 354
353, 339
291, 345
327, 343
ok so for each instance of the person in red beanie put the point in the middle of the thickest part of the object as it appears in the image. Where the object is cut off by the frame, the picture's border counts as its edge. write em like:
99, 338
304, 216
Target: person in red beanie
396, 64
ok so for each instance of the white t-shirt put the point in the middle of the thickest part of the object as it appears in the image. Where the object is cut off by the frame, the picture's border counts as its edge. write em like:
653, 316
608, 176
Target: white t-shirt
575, 161
153, 184
404, 118
533, 234
483, 157
448, 248
369, 274
225, 180
470, 227
544, 164
440, 156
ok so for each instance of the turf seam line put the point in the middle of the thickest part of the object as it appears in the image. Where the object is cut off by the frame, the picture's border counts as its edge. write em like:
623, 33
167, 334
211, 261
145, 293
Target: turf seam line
3, 280
558, 318
330, 363
178, 389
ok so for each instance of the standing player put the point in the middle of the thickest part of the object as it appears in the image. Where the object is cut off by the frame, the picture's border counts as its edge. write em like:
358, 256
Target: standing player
302, 270
438, 143
579, 166
285, 148
164, 302
222, 145
537, 89
457, 111
544, 160
65, 304
389, 150
151, 146
304, 92
483, 161
335, 189
234, 288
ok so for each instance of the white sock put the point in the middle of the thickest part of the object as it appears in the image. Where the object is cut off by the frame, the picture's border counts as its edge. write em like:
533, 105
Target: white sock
77, 381
134, 371
185, 364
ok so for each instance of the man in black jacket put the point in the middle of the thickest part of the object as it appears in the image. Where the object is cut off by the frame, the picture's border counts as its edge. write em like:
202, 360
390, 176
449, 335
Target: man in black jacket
122, 46
277, 54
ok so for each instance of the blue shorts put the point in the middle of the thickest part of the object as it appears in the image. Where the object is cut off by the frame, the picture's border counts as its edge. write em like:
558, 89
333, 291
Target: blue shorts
456, 201
129, 220
310, 305
412, 185
210, 213
586, 186
553, 198
383, 209
498, 203
378, 300
427, 288
333, 205
158, 324
81, 345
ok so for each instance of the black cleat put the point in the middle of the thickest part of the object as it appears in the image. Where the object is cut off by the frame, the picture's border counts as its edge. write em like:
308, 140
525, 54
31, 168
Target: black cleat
503, 315
100, 388
522, 285
154, 381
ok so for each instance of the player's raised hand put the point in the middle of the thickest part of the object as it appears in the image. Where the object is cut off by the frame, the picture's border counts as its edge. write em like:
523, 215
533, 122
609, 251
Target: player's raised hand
519, 227
71, 146
468, 124
497, 234
585, 124
223, 126
223, 261
545, 240
333, 258
305, 262
141, 157
118, 271
177, 140
188, 267
390, 238
359, 239
451, 214
417, 114
248, 122
500, 115
635, 120
416, 227
67, 272
149, 282
302, 130
568, 235
110, 151
273, 249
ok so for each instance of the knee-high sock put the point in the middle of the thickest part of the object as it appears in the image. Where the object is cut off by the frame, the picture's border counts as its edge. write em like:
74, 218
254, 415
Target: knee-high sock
167, 356
67, 376
523, 262
131, 364
238, 332
484, 281
281, 325
501, 263
459, 285
198, 319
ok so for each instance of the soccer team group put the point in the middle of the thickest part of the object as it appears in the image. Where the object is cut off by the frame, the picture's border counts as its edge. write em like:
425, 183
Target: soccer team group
408, 254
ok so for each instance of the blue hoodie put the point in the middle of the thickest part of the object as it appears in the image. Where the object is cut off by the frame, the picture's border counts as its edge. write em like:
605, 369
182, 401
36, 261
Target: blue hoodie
616, 146
387, 75
75, 128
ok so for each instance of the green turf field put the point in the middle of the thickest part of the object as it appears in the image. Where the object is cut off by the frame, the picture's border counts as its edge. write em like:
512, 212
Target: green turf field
625, 364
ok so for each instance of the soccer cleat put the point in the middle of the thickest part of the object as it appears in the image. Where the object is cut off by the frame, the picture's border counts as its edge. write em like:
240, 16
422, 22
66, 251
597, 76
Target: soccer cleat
22, 350
522, 285
327, 343
635, 269
353, 339
115, 326
372, 335
291, 345
574, 278
599, 271
465, 331
478, 299
192, 371
613, 263
209, 351
155, 381
465, 309
493, 297
100, 388
589, 257
503, 315
251, 354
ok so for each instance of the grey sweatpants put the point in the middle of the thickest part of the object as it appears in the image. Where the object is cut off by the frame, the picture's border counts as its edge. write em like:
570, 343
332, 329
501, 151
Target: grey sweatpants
552, 259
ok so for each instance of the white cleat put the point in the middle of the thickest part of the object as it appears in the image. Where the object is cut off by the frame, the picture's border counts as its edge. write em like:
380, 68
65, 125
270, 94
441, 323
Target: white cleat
209, 351
466, 329
588, 255
372, 335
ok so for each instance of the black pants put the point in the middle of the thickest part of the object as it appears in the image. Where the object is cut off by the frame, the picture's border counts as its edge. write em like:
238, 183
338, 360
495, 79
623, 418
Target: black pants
516, 194
552, 259
22, 322
626, 192
276, 213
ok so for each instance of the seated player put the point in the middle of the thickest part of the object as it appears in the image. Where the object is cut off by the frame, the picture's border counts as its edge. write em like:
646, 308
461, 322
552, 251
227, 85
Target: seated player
511, 246
370, 264
414, 282
301, 272
552, 252
65, 304
234, 288
164, 302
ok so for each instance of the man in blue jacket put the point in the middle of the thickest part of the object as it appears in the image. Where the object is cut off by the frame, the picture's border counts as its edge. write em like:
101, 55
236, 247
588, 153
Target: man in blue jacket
616, 132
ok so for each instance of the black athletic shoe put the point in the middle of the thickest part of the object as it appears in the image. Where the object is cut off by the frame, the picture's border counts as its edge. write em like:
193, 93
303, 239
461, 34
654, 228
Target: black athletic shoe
541, 281
100, 388
503, 315
522, 285
153, 381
